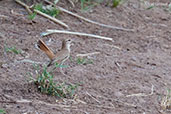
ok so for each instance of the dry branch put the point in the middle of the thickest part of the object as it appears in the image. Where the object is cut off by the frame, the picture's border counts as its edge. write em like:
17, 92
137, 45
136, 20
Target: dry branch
87, 54
28, 61
113, 46
24, 5
116, 100
51, 18
88, 20
14, 100
42, 14
3, 16
142, 94
93, 97
71, 2
74, 33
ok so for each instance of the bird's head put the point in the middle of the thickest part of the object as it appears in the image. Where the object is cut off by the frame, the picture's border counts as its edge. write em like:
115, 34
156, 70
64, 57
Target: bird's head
66, 43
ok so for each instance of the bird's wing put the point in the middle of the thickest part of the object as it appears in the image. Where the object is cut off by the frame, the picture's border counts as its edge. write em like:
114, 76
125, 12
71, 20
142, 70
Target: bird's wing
61, 56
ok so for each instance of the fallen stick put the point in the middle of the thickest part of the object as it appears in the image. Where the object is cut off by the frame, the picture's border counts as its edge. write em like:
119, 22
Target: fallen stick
93, 97
71, 2
93, 22
142, 94
24, 5
113, 46
87, 54
27, 101
14, 100
74, 33
42, 14
3, 16
28, 61
88, 20
116, 100
51, 18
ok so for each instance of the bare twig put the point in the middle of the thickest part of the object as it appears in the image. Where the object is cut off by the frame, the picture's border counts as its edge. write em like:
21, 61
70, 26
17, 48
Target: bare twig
80, 101
15, 13
74, 33
88, 20
119, 101
142, 94
14, 100
51, 18
29, 61
24, 5
71, 2
101, 106
113, 46
3, 16
125, 103
87, 54
42, 14
93, 97
3, 101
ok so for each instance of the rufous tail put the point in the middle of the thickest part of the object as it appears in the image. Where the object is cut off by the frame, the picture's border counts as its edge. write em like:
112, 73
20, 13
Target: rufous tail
44, 48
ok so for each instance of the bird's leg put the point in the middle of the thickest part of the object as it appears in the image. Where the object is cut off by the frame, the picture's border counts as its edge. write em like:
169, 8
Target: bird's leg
61, 67
50, 63
62, 70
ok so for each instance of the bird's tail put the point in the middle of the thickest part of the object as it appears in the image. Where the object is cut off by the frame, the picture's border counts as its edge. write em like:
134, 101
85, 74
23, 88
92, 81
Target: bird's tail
44, 48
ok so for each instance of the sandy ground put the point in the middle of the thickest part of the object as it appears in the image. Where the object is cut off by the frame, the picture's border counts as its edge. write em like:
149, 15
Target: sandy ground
141, 64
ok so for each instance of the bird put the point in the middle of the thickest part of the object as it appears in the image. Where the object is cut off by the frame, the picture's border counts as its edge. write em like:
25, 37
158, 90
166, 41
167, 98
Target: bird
61, 56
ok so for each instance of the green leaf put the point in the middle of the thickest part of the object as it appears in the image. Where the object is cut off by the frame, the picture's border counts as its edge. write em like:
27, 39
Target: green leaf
57, 65
116, 3
12, 49
84, 61
80, 60
150, 7
47, 85
32, 16
39, 7
82, 4
2, 111
52, 11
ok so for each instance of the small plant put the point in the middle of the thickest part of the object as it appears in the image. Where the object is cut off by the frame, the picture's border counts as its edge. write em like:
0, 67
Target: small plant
89, 4
150, 7
32, 16
2, 111
48, 10
115, 3
52, 11
12, 49
84, 61
45, 83
60, 66
166, 101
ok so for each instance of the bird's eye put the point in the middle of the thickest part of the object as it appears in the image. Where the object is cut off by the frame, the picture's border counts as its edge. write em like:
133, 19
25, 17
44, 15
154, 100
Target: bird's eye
69, 40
